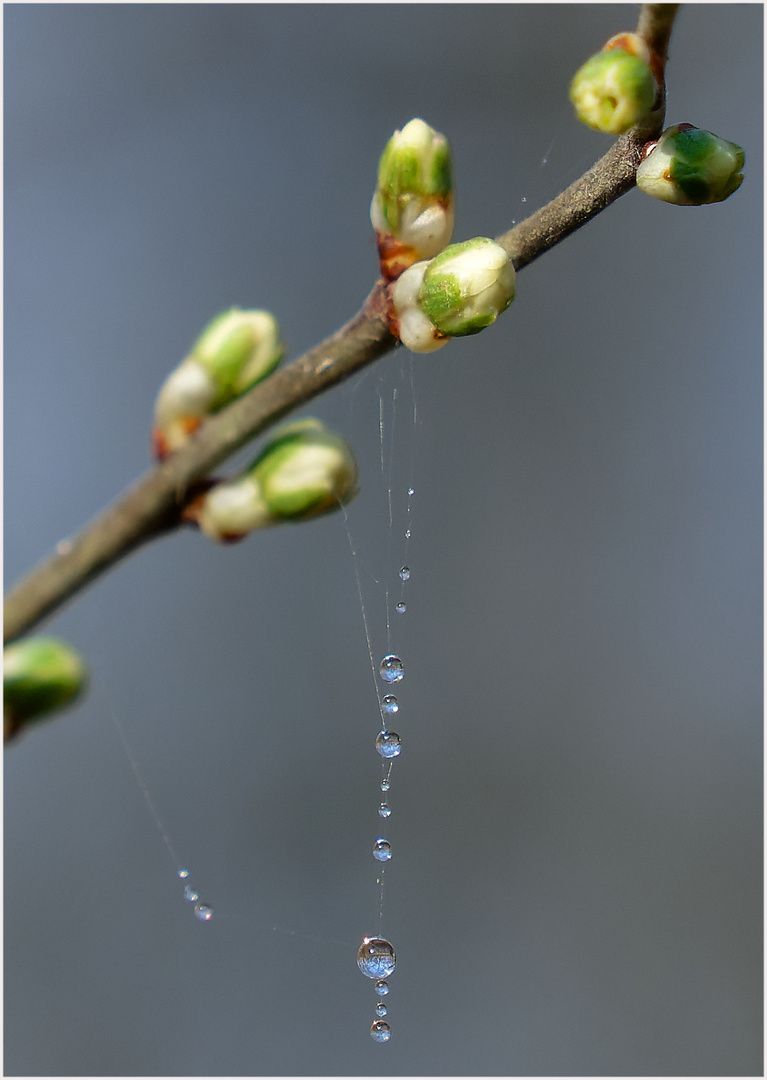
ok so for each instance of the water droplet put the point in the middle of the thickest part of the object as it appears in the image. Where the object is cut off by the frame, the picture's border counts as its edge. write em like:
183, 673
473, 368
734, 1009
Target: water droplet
384, 810
408, 534
381, 1009
203, 912
190, 894
183, 873
411, 491
401, 608
382, 987
388, 745
380, 1031
375, 958
384, 785
382, 850
405, 571
392, 669
390, 705
64, 547
524, 198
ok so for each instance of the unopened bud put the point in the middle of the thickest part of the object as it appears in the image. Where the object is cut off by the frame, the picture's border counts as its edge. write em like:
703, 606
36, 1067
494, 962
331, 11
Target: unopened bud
304, 471
615, 88
412, 208
691, 167
40, 674
235, 351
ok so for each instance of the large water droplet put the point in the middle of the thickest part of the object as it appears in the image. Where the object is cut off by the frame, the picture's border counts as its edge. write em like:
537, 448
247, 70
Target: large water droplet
401, 608
382, 850
384, 810
375, 958
385, 785
389, 705
380, 1031
388, 745
204, 912
190, 894
405, 571
381, 1009
392, 669
382, 987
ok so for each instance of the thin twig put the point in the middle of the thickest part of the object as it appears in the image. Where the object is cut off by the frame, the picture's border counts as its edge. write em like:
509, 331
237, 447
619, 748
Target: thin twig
151, 507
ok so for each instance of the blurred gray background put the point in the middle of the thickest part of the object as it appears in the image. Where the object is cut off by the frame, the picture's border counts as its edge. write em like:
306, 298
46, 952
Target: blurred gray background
576, 885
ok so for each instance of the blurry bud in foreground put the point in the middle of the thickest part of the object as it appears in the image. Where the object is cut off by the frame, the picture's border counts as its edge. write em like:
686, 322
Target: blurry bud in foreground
412, 208
690, 167
304, 471
459, 292
40, 674
235, 351
615, 89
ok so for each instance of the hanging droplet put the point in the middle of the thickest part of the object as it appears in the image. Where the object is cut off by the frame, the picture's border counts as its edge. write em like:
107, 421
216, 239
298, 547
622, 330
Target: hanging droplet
384, 810
405, 571
408, 534
375, 958
524, 198
401, 608
389, 705
183, 873
190, 894
388, 745
203, 912
382, 987
380, 1031
392, 669
411, 491
382, 850
381, 1009
385, 785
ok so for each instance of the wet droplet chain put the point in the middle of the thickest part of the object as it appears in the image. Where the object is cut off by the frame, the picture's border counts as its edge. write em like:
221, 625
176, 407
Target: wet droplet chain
204, 912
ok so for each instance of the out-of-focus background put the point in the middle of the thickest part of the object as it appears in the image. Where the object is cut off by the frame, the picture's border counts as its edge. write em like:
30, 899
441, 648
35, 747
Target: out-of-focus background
576, 882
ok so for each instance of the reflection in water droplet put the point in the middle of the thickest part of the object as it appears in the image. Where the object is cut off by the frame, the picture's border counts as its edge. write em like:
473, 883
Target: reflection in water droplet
381, 1009
408, 534
380, 1031
203, 912
392, 669
388, 745
375, 958
384, 810
183, 873
401, 608
190, 894
384, 785
405, 571
382, 987
382, 850
524, 199
411, 491
390, 705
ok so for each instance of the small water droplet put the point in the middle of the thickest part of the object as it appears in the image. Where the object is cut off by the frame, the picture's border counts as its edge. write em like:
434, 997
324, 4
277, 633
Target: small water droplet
382, 987
381, 1009
388, 745
405, 571
183, 873
384, 810
380, 1031
411, 491
375, 958
190, 894
401, 608
392, 669
524, 199
408, 534
203, 912
385, 785
382, 850
389, 705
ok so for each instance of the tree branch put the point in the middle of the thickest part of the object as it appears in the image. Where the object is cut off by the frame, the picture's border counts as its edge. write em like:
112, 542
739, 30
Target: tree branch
151, 507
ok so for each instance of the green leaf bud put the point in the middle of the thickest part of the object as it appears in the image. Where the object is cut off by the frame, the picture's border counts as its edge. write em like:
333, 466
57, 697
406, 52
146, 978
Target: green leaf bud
615, 89
412, 208
691, 167
304, 471
235, 351
467, 286
40, 674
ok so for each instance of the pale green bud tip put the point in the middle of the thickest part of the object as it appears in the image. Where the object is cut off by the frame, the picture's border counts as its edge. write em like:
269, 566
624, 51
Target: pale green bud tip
613, 91
40, 674
306, 470
467, 286
691, 167
413, 202
235, 351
